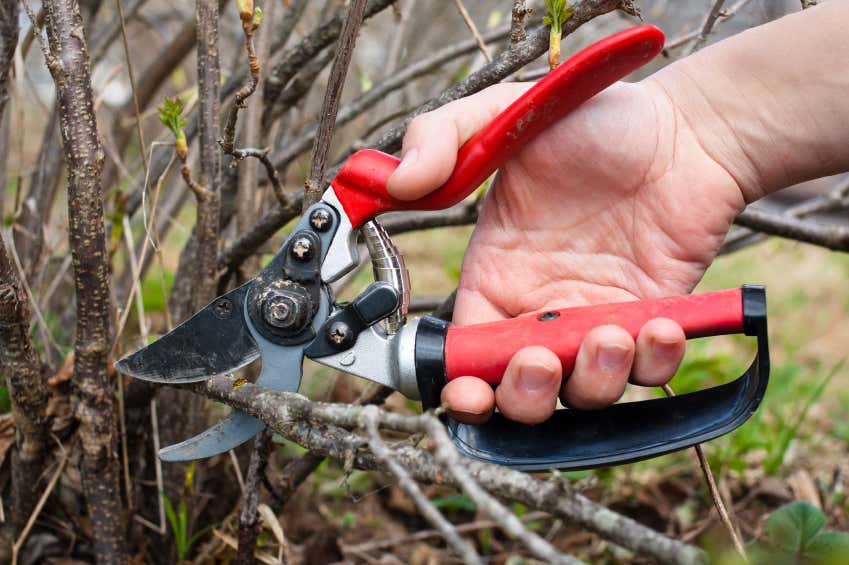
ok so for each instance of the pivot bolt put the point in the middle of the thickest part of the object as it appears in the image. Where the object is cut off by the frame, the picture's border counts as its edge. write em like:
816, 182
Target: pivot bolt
340, 335
320, 220
302, 249
286, 310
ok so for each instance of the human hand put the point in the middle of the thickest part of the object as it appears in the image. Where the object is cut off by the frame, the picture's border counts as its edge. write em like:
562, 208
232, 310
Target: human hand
618, 201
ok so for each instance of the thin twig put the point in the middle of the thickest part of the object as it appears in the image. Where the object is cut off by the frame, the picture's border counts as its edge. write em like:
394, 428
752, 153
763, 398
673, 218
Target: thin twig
685, 39
132, 83
16, 548
710, 20
474, 29
714, 492
369, 420
330, 105
422, 535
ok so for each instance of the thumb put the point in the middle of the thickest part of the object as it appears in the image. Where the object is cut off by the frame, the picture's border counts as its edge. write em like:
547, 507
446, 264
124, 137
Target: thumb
429, 150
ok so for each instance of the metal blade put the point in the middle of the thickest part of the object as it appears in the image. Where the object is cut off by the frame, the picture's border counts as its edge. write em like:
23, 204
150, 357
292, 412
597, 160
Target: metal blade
232, 431
282, 368
214, 341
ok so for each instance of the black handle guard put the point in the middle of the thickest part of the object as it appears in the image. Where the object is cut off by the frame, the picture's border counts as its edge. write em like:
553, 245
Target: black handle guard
626, 432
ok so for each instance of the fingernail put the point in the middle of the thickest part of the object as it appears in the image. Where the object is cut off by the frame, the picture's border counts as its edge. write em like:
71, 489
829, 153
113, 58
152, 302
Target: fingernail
535, 377
612, 357
664, 349
409, 158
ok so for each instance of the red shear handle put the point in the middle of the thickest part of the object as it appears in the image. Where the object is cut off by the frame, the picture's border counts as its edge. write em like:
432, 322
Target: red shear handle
361, 183
483, 350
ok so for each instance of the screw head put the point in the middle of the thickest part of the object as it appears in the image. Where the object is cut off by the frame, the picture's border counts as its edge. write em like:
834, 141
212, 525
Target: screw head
321, 220
340, 335
223, 309
302, 249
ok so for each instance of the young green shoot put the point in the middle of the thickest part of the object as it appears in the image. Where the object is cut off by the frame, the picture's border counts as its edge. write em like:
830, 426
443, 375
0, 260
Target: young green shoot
558, 13
171, 116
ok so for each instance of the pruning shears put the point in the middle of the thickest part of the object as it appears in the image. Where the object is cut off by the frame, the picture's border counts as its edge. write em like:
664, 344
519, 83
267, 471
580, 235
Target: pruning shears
288, 311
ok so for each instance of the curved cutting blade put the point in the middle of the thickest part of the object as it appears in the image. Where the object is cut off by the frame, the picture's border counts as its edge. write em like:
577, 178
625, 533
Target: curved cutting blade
282, 368
282, 372
214, 341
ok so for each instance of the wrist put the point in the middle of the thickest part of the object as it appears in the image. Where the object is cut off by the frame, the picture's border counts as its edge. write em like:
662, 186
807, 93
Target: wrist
768, 110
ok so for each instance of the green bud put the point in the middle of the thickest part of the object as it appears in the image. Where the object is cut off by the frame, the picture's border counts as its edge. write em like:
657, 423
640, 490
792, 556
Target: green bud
257, 17
246, 9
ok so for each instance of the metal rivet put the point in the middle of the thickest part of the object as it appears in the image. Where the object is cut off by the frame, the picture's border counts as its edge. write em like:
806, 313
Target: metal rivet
548, 316
302, 249
321, 220
223, 309
340, 335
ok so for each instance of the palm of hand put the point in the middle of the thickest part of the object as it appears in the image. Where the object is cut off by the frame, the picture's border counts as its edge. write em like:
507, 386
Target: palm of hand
599, 208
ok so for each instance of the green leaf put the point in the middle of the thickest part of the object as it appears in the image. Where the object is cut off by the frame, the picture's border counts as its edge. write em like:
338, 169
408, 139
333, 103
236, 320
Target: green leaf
792, 526
171, 115
455, 502
829, 548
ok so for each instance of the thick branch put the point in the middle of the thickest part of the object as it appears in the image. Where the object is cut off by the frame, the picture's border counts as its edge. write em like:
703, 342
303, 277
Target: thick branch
69, 64
27, 390
208, 208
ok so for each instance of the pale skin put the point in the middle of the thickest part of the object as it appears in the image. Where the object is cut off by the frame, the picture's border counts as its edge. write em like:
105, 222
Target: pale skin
630, 197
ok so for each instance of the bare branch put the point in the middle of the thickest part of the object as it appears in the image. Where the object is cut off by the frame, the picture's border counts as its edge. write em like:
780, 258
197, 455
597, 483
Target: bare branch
467, 19
369, 418
295, 58
208, 210
69, 64
707, 26
330, 106
27, 390
249, 523
835, 237
321, 428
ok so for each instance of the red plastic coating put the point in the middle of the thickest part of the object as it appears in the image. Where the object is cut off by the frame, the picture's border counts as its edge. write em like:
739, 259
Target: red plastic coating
484, 350
361, 183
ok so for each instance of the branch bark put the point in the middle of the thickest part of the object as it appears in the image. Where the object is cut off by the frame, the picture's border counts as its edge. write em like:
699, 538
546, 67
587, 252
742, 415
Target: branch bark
330, 105
68, 60
27, 389
325, 429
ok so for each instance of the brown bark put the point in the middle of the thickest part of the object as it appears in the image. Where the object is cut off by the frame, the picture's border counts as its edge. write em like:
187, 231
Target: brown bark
68, 60
18, 358
208, 207
330, 105
27, 391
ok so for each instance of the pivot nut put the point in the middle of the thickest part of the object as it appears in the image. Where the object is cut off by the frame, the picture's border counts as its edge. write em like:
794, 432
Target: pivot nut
285, 310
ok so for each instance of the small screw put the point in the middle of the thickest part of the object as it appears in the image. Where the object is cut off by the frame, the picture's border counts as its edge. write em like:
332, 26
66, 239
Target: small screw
320, 220
340, 335
302, 249
548, 316
223, 309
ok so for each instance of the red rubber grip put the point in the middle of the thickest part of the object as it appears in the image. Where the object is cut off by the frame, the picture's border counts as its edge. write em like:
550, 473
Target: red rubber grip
484, 350
361, 183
